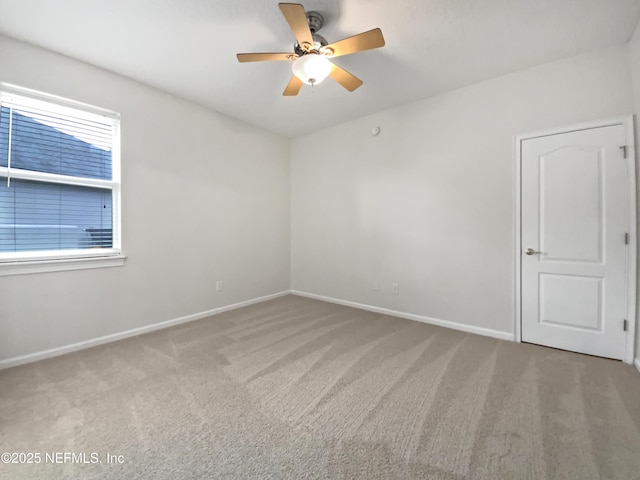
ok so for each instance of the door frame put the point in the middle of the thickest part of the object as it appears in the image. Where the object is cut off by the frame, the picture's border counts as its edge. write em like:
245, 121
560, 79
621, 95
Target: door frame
627, 123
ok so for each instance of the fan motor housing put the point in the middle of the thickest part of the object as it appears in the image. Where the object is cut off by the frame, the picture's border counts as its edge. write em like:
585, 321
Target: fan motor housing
318, 42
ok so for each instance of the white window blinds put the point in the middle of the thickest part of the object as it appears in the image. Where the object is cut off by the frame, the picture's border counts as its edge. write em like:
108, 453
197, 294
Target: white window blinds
59, 179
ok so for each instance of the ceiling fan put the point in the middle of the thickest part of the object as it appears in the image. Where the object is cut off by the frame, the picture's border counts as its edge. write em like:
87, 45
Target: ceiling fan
311, 52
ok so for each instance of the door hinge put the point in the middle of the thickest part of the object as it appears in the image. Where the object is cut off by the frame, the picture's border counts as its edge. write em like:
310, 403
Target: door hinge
624, 151
624, 325
626, 239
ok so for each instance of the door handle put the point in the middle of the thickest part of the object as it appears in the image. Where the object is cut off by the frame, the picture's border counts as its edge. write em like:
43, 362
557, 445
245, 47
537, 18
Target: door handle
531, 251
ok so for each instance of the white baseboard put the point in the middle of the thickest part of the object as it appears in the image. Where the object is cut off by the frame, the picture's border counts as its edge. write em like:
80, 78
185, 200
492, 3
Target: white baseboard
487, 332
637, 363
54, 352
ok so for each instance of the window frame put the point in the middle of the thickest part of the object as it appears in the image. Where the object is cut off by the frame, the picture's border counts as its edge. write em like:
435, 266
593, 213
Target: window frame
12, 263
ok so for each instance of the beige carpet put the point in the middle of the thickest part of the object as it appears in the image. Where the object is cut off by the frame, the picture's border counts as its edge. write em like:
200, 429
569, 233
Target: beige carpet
295, 388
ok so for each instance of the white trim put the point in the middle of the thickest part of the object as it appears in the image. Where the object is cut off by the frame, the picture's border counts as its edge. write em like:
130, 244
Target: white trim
627, 122
411, 316
55, 352
605, 122
517, 219
8, 258
17, 173
60, 265
637, 364
632, 251
27, 95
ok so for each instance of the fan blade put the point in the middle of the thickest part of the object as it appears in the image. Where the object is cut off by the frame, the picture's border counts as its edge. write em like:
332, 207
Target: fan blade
344, 78
265, 57
293, 87
297, 19
357, 43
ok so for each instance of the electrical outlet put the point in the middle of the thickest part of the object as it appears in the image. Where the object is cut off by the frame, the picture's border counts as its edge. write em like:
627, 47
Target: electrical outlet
395, 289
219, 285
376, 285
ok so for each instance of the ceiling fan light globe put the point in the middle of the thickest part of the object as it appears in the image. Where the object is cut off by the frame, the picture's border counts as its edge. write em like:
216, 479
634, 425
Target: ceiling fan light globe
312, 68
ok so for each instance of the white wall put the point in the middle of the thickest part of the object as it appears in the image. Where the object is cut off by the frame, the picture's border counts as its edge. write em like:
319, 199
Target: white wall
429, 203
205, 198
634, 62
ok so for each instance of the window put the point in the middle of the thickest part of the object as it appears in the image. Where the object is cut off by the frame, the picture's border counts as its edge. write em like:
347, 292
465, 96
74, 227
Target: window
59, 180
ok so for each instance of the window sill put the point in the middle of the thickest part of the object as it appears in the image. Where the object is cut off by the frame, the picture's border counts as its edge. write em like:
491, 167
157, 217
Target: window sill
59, 265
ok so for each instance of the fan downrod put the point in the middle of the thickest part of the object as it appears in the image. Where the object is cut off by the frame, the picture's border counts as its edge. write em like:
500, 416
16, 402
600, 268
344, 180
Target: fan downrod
315, 21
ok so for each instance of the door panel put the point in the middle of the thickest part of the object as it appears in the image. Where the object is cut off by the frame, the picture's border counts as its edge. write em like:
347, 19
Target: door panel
581, 309
571, 216
574, 220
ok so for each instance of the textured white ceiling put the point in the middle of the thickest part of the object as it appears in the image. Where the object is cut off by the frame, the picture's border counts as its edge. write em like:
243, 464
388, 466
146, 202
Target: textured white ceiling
188, 47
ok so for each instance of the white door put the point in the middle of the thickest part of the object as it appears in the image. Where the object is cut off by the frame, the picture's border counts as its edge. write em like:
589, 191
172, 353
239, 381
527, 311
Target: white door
574, 253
